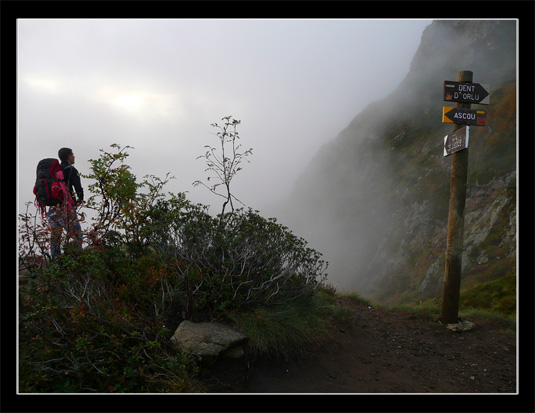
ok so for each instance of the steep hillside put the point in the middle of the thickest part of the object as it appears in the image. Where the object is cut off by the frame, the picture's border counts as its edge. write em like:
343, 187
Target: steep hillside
374, 201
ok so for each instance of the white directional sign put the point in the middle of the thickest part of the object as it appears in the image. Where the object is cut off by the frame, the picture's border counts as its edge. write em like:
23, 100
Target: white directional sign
466, 92
457, 141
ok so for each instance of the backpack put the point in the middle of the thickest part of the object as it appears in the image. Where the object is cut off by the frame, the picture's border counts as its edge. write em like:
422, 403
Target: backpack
47, 189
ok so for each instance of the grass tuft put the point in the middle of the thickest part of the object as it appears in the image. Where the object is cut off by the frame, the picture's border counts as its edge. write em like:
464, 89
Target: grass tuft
290, 330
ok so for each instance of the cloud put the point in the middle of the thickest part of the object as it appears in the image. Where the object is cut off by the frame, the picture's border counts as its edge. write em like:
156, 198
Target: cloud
41, 84
143, 103
158, 84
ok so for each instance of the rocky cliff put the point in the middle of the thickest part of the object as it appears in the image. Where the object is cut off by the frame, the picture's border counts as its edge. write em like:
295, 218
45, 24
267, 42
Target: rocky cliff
374, 200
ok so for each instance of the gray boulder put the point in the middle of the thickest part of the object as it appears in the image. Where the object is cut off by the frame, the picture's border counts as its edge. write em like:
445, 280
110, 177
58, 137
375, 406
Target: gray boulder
209, 339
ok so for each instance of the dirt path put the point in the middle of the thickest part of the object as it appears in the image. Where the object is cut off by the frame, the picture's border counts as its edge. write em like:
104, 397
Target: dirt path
387, 352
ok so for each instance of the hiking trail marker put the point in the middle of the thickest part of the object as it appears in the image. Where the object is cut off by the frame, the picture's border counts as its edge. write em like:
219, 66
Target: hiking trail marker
456, 141
462, 116
466, 92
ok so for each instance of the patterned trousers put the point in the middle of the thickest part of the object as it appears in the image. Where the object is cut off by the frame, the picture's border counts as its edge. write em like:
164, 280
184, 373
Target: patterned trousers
61, 219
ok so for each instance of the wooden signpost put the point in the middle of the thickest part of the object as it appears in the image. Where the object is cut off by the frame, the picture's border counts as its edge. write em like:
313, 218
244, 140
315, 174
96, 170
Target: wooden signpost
461, 115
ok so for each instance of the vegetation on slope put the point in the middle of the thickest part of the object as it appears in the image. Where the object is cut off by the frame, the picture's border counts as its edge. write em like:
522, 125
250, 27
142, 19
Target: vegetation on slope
100, 319
490, 207
379, 192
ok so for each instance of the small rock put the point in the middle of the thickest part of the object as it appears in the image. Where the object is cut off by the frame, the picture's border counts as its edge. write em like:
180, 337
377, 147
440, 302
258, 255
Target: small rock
209, 339
462, 326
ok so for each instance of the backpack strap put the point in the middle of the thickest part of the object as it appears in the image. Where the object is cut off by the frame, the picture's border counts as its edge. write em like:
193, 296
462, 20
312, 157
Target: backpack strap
67, 180
64, 170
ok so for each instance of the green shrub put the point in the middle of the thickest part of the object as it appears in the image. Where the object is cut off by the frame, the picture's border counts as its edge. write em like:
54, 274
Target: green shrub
231, 260
100, 319
92, 323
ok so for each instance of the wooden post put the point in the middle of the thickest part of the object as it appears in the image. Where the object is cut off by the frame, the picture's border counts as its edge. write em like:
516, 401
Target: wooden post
454, 248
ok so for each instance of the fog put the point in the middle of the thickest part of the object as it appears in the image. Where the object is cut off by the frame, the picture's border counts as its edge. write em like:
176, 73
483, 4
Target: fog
157, 85
365, 201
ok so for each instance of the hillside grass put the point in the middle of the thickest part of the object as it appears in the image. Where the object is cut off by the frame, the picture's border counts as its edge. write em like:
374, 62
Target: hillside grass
470, 307
294, 329
298, 328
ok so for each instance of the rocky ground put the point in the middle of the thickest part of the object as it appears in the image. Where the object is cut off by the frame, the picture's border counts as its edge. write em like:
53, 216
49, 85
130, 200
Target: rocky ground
385, 352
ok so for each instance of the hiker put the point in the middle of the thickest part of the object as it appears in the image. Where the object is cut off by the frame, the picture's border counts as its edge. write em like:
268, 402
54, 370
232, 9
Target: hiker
64, 216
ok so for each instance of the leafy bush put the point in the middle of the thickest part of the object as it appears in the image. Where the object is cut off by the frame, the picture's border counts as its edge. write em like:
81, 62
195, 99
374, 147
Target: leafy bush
95, 322
119, 199
232, 260
100, 319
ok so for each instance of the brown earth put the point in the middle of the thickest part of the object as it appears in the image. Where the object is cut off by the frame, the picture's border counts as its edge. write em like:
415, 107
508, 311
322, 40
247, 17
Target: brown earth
385, 352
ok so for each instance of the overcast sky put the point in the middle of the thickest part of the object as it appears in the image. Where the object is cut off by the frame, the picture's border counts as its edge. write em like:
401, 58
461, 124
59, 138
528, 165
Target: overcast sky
157, 85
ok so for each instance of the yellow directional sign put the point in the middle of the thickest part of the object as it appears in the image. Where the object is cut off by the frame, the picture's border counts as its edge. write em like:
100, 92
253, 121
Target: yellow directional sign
462, 116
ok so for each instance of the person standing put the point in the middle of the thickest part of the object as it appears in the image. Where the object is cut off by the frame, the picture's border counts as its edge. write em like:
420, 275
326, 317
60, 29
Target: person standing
72, 177
64, 216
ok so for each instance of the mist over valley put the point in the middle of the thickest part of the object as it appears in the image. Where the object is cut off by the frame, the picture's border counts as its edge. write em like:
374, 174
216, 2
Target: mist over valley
374, 200
371, 195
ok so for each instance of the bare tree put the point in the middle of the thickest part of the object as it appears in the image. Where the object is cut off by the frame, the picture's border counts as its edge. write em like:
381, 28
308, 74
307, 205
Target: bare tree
223, 167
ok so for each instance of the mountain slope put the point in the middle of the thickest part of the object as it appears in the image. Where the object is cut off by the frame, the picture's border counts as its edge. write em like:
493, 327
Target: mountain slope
374, 201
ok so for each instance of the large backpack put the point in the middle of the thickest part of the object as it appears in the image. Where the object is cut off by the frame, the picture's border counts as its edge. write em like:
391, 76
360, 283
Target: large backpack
47, 189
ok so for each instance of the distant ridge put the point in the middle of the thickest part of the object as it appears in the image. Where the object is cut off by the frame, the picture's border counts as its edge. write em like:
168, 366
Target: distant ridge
374, 200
